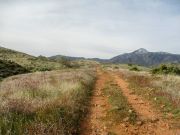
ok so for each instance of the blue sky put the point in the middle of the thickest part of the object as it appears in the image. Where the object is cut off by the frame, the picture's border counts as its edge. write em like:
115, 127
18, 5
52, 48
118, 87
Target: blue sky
89, 28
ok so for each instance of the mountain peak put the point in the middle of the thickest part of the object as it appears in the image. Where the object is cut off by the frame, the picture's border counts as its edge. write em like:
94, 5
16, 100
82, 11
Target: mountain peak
140, 51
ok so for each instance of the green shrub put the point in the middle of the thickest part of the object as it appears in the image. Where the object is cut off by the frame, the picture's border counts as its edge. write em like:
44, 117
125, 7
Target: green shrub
43, 58
65, 62
129, 64
134, 68
116, 67
166, 69
9, 68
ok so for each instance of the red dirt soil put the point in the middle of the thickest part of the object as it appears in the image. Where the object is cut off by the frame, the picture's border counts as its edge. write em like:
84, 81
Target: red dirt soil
93, 124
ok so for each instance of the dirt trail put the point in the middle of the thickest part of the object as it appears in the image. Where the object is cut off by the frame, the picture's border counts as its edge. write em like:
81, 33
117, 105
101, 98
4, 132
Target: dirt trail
94, 125
149, 120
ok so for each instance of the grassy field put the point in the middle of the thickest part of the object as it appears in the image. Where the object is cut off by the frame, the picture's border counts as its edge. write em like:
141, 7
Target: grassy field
45, 102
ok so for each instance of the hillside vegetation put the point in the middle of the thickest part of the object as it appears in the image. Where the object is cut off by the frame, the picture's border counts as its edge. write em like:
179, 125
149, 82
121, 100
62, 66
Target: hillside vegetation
8, 68
29, 62
45, 103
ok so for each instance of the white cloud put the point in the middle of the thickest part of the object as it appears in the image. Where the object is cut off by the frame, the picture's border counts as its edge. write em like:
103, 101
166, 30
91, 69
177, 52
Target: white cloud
91, 28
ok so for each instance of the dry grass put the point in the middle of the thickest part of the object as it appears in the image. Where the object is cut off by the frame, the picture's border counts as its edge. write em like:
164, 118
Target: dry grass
45, 103
170, 85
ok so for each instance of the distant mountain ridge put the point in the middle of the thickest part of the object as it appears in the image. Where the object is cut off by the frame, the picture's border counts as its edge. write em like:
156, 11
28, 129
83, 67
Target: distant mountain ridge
146, 58
140, 57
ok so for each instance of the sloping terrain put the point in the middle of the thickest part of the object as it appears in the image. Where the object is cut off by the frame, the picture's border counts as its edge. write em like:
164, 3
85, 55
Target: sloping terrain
8, 68
29, 62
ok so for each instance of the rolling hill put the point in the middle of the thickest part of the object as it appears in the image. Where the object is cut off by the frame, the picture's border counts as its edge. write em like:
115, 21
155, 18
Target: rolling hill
29, 62
59, 57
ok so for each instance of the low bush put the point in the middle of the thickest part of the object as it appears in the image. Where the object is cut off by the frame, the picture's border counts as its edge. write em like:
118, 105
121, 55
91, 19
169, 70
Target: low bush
166, 69
129, 64
134, 68
8, 68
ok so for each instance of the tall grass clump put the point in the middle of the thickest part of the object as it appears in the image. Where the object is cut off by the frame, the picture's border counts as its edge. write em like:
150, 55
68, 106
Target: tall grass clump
168, 90
45, 103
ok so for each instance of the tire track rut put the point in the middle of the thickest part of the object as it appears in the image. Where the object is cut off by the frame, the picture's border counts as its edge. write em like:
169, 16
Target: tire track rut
149, 120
